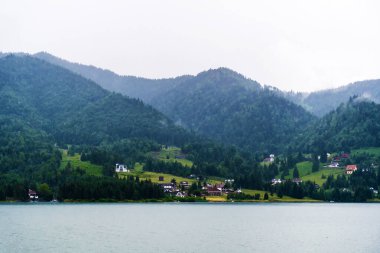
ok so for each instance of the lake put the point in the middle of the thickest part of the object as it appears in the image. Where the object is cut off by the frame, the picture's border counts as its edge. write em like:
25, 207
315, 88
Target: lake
190, 227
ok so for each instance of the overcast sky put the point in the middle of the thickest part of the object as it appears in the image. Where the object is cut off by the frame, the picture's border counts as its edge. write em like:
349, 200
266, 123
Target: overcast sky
293, 45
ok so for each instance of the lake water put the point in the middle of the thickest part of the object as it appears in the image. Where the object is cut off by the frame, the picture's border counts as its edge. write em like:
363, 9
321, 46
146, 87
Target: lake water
174, 227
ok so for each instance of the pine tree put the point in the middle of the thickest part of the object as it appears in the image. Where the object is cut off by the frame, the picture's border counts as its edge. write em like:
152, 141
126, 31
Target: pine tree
296, 173
315, 163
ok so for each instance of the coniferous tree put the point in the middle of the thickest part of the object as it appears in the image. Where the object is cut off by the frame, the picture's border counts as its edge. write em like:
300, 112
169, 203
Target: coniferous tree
296, 174
315, 166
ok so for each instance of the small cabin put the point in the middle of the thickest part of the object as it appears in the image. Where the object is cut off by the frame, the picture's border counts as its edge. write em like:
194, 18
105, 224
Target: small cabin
161, 178
121, 168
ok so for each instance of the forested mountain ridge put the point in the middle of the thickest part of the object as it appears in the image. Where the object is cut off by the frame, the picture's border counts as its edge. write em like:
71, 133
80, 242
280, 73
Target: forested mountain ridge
318, 103
322, 102
72, 108
132, 86
352, 125
220, 103
227, 107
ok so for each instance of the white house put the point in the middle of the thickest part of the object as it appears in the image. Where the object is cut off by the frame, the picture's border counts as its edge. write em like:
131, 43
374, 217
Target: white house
32, 195
121, 168
276, 181
333, 165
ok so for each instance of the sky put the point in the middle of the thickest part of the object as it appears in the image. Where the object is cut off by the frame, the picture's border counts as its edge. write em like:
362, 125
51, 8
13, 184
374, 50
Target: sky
292, 45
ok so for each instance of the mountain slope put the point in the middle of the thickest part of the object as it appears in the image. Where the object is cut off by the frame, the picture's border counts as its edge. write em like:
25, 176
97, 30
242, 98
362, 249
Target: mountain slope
68, 106
322, 102
352, 125
135, 87
227, 107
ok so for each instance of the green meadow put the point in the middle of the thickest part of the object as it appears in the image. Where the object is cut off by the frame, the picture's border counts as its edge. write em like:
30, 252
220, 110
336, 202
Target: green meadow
91, 169
172, 154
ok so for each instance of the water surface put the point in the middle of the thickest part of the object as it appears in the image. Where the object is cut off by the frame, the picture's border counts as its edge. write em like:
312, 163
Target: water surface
174, 227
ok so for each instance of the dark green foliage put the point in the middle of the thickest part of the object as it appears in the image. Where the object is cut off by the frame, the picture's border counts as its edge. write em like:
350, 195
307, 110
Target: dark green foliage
352, 125
226, 107
296, 174
164, 167
98, 188
315, 161
75, 110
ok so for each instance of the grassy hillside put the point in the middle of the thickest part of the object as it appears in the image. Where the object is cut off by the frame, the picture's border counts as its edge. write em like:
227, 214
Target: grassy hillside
317, 176
91, 169
275, 198
153, 176
372, 151
306, 174
172, 154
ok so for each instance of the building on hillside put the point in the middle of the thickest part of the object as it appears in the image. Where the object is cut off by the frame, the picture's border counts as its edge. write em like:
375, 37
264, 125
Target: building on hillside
181, 194
276, 181
184, 184
168, 187
213, 191
220, 186
121, 168
297, 180
333, 165
32, 195
161, 178
269, 159
350, 169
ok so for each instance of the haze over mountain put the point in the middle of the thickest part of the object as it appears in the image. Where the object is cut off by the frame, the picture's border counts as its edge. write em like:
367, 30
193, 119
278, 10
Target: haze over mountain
220, 104
318, 103
136, 87
322, 102
227, 107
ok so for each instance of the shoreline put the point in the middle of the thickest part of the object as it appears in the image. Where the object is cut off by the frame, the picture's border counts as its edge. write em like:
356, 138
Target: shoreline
301, 201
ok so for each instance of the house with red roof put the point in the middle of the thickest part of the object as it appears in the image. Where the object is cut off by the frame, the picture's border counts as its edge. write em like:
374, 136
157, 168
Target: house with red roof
351, 168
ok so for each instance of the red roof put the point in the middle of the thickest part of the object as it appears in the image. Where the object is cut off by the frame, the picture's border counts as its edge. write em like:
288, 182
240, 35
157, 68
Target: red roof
212, 189
351, 167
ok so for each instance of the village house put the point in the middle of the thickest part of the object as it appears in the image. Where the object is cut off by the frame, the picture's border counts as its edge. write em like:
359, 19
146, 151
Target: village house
276, 181
184, 185
32, 195
168, 187
161, 178
269, 159
333, 165
350, 169
213, 191
121, 168
297, 180
220, 186
181, 194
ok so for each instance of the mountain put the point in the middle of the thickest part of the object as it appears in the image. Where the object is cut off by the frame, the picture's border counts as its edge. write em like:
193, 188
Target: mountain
220, 104
352, 125
229, 108
75, 110
322, 102
318, 103
135, 87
